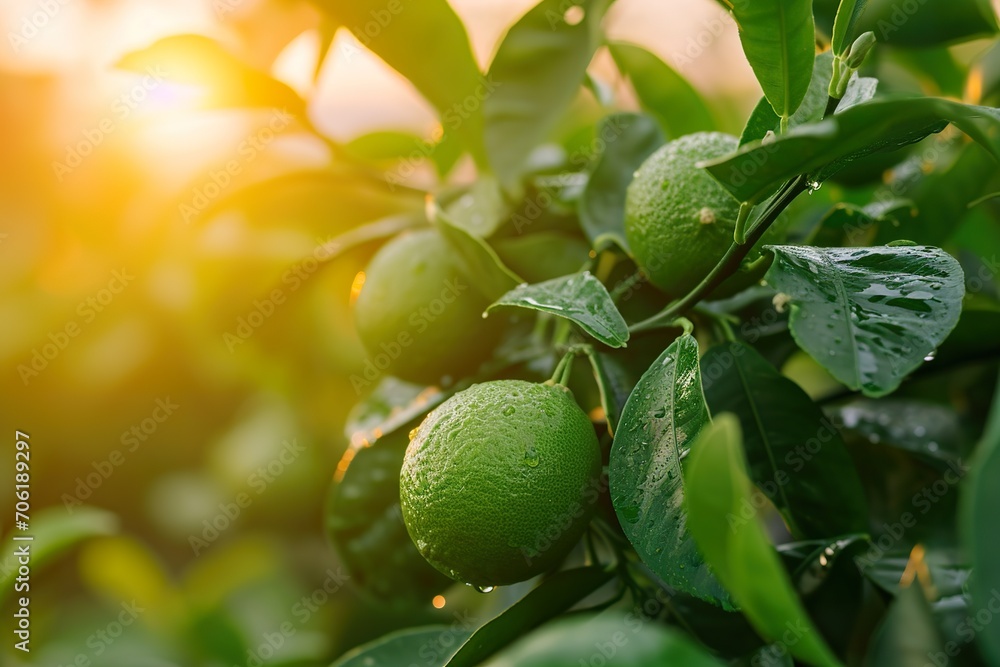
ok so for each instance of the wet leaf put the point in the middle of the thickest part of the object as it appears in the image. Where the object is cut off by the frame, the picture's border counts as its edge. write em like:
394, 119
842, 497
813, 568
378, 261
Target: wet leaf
580, 298
870, 316
795, 453
660, 421
763, 118
821, 149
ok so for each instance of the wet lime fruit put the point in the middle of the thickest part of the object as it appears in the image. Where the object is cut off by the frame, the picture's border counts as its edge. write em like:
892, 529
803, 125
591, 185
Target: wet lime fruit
499, 481
418, 315
679, 220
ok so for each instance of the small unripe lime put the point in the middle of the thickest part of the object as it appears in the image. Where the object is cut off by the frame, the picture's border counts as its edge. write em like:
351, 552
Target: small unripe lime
418, 315
499, 482
679, 220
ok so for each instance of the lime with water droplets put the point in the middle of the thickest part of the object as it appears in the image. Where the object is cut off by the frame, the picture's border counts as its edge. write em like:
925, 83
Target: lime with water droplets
499, 481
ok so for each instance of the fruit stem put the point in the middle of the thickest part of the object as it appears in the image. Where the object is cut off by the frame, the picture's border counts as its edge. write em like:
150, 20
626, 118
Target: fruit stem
740, 233
729, 263
564, 368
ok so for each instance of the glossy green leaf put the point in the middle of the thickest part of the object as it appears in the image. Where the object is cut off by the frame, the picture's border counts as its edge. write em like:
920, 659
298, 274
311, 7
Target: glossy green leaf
658, 425
980, 502
795, 454
392, 405
930, 430
860, 89
662, 92
737, 547
869, 315
846, 23
482, 266
399, 648
908, 636
886, 569
54, 531
821, 149
923, 24
577, 640
778, 39
628, 140
847, 224
763, 118
443, 69
552, 597
580, 298
537, 71
227, 80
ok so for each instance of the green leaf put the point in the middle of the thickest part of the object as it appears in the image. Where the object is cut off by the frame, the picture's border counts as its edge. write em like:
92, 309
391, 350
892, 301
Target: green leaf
847, 224
201, 61
428, 45
795, 453
923, 24
543, 255
658, 425
846, 23
552, 597
860, 89
979, 502
908, 637
869, 315
778, 39
821, 149
931, 431
398, 648
55, 531
810, 110
384, 145
482, 209
577, 640
628, 139
662, 92
537, 71
737, 548
580, 298
392, 405
482, 266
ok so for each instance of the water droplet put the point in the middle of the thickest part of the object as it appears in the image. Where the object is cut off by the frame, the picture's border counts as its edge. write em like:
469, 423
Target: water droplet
531, 458
509, 411
919, 431
661, 413
932, 446
930, 357
484, 589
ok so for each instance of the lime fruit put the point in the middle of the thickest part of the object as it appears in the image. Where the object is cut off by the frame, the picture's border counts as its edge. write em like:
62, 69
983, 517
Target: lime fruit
679, 221
500, 480
418, 316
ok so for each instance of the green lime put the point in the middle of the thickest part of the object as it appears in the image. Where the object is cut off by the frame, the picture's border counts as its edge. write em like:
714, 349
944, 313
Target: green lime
418, 315
679, 220
500, 480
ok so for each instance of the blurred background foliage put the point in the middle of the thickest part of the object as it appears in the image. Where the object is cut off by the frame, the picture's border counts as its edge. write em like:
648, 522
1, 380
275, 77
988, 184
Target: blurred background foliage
202, 248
